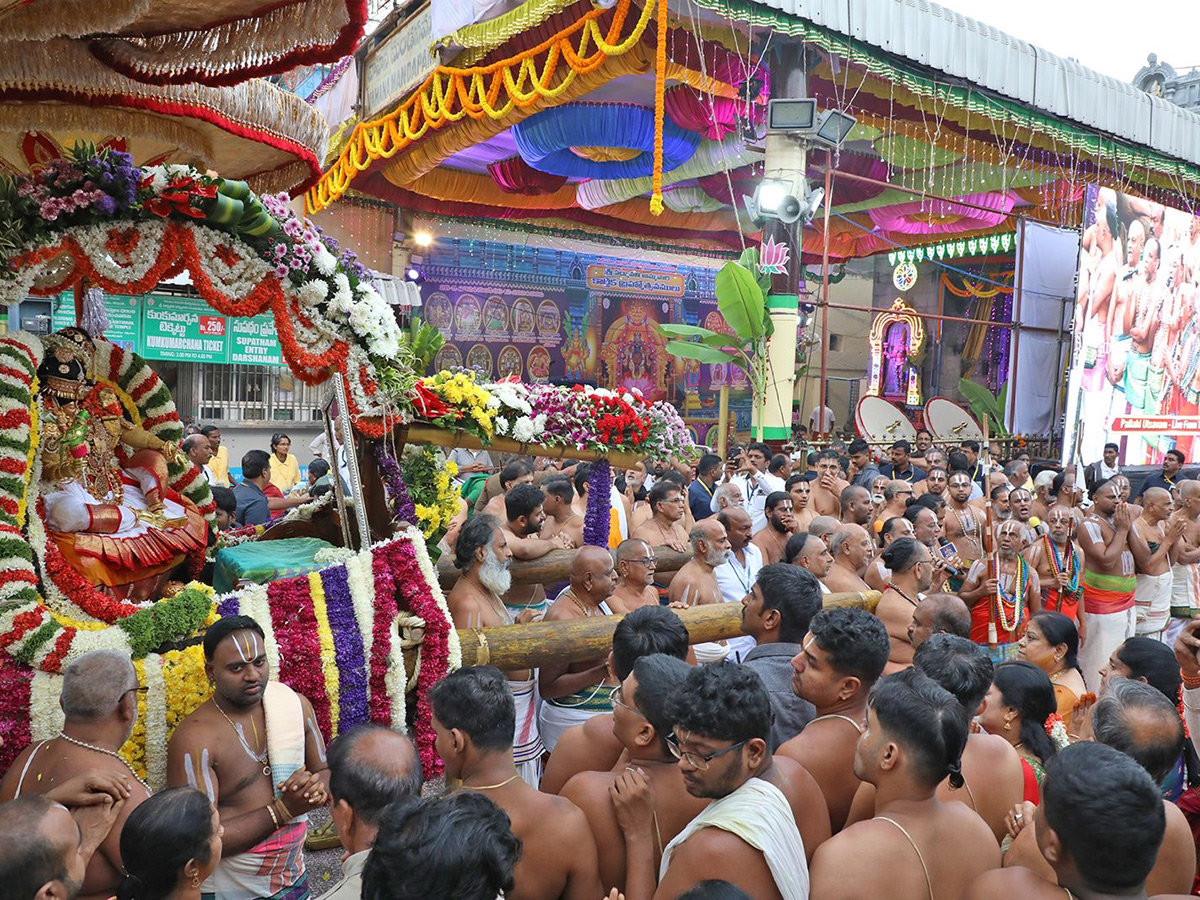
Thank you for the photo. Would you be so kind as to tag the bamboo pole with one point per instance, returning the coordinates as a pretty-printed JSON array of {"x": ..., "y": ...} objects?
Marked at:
[
  {"x": 553, "y": 567},
  {"x": 529, "y": 646},
  {"x": 722, "y": 445},
  {"x": 443, "y": 437}
]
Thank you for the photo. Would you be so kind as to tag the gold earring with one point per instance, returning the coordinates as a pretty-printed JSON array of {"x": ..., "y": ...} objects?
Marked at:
[
  {"x": 1008, "y": 724},
  {"x": 195, "y": 881}
]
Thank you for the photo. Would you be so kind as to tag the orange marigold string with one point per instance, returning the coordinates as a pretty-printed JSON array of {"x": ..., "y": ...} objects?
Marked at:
[{"x": 660, "y": 87}]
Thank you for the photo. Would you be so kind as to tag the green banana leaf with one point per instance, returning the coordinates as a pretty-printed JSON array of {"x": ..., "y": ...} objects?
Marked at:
[
  {"x": 741, "y": 302},
  {"x": 700, "y": 352},
  {"x": 985, "y": 404}
]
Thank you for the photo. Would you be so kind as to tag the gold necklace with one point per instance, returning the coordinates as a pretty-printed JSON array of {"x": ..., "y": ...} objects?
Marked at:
[
  {"x": 112, "y": 753},
  {"x": 263, "y": 757},
  {"x": 583, "y": 609},
  {"x": 492, "y": 787}
]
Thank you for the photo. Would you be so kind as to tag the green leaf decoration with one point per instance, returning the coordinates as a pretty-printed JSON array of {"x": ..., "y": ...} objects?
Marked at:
[
  {"x": 700, "y": 352},
  {"x": 985, "y": 405},
  {"x": 687, "y": 331},
  {"x": 741, "y": 301}
]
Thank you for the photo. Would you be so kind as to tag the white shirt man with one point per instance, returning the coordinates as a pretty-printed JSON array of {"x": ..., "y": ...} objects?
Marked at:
[
  {"x": 735, "y": 577},
  {"x": 825, "y": 425}
]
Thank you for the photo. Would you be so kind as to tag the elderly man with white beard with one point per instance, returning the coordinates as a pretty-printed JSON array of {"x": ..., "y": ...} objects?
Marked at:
[{"x": 483, "y": 557}]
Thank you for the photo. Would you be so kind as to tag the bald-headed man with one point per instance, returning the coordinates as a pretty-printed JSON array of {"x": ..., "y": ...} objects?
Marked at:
[
  {"x": 812, "y": 554},
  {"x": 635, "y": 577},
  {"x": 369, "y": 768},
  {"x": 696, "y": 584},
  {"x": 1160, "y": 532},
  {"x": 851, "y": 548},
  {"x": 824, "y": 527},
  {"x": 46, "y": 851},
  {"x": 99, "y": 701},
  {"x": 574, "y": 692},
  {"x": 939, "y": 614},
  {"x": 856, "y": 505}
]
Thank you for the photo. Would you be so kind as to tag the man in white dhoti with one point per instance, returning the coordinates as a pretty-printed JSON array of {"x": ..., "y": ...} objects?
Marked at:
[{"x": 747, "y": 835}]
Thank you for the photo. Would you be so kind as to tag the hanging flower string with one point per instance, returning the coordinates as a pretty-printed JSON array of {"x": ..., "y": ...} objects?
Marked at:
[
  {"x": 597, "y": 518},
  {"x": 403, "y": 509}
]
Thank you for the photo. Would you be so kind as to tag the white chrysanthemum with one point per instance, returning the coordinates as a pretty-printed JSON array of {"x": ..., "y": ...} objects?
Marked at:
[{"x": 325, "y": 261}]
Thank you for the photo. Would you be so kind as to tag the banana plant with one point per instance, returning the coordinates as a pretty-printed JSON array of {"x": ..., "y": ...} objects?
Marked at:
[
  {"x": 742, "y": 301},
  {"x": 424, "y": 341},
  {"x": 986, "y": 405}
]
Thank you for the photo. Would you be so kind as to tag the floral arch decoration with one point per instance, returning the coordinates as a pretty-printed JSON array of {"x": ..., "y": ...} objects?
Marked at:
[
  {"x": 95, "y": 218},
  {"x": 903, "y": 315}
]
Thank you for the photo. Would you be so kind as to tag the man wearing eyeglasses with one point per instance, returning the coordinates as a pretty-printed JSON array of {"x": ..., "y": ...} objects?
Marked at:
[
  {"x": 100, "y": 703},
  {"x": 635, "y": 571},
  {"x": 747, "y": 835}
]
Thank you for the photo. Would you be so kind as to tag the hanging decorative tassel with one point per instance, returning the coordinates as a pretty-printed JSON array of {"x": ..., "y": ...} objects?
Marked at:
[
  {"x": 95, "y": 316},
  {"x": 660, "y": 87}
]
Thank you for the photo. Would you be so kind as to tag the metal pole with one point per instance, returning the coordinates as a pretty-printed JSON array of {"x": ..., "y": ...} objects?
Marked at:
[
  {"x": 723, "y": 422},
  {"x": 1016, "y": 324},
  {"x": 937, "y": 317},
  {"x": 821, "y": 398}
]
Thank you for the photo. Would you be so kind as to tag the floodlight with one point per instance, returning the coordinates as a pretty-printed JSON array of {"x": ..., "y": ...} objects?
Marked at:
[
  {"x": 794, "y": 116},
  {"x": 834, "y": 126}
]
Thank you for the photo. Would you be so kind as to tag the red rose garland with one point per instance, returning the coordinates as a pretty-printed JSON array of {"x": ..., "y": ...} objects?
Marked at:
[
  {"x": 15, "y": 680},
  {"x": 381, "y": 635}
]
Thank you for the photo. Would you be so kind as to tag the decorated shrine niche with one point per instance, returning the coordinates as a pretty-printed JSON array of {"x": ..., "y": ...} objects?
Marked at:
[
  {"x": 634, "y": 353},
  {"x": 897, "y": 336}
]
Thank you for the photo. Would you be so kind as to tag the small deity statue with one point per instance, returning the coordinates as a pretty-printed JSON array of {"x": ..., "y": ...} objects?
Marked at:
[{"x": 119, "y": 525}]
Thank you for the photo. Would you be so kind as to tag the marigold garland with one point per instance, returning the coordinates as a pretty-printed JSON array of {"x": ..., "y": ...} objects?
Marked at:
[{"x": 660, "y": 87}]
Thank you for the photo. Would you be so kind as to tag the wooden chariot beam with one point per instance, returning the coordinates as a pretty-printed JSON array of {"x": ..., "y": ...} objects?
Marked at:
[
  {"x": 442, "y": 437},
  {"x": 529, "y": 646},
  {"x": 553, "y": 567}
]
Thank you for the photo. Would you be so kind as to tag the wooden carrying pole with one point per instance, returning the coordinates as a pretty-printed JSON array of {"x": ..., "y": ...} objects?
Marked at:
[
  {"x": 553, "y": 567},
  {"x": 528, "y": 646}
]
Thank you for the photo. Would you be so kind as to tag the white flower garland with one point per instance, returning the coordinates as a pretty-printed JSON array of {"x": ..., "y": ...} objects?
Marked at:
[
  {"x": 93, "y": 241},
  {"x": 45, "y": 712},
  {"x": 156, "y": 722},
  {"x": 360, "y": 579},
  {"x": 454, "y": 648}
]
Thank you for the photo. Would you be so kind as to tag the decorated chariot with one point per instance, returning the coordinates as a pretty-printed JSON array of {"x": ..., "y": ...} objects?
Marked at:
[{"x": 106, "y": 525}]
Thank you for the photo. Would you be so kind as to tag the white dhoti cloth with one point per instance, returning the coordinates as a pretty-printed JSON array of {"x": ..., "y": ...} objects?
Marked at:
[
  {"x": 1105, "y": 633},
  {"x": 1152, "y": 600},
  {"x": 527, "y": 740},
  {"x": 561, "y": 713},
  {"x": 1185, "y": 587},
  {"x": 759, "y": 814}
]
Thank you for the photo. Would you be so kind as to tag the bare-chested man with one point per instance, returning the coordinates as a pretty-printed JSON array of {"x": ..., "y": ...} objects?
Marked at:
[
  {"x": 1109, "y": 579},
  {"x": 771, "y": 539},
  {"x": 911, "y": 566},
  {"x": 1093, "y": 850},
  {"x": 748, "y": 834},
  {"x": 1159, "y": 532},
  {"x": 895, "y": 500},
  {"x": 524, "y": 517},
  {"x": 99, "y": 700},
  {"x": 696, "y": 584},
  {"x": 851, "y": 547},
  {"x": 1093, "y": 309},
  {"x": 1137, "y": 720},
  {"x": 519, "y": 471},
  {"x": 591, "y": 747},
  {"x": 573, "y": 692},
  {"x": 635, "y": 577},
  {"x": 1003, "y": 593},
  {"x": 810, "y": 552},
  {"x": 936, "y": 482},
  {"x": 1144, "y": 321},
  {"x": 482, "y": 557},
  {"x": 964, "y": 523},
  {"x": 857, "y": 508},
  {"x": 561, "y": 517},
  {"x": 641, "y": 724},
  {"x": 828, "y": 487},
  {"x": 1058, "y": 561},
  {"x": 1185, "y": 556},
  {"x": 992, "y": 771},
  {"x": 223, "y": 749},
  {"x": 665, "y": 527},
  {"x": 915, "y": 737},
  {"x": 473, "y": 719},
  {"x": 842, "y": 656},
  {"x": 800, "y": 490}
]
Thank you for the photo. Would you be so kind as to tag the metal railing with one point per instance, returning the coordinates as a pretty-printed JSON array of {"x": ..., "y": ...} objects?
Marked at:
[{"x": 245, "y": 393}]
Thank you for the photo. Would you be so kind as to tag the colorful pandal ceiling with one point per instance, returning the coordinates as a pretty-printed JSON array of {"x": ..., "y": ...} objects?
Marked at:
[
  {"x": 214, "y": 42},
  {"x": 588, "y": 116}
]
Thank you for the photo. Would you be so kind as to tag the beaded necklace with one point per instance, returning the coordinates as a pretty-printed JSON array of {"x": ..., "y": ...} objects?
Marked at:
[
  {"x": 1017, "y": 600},
  {"x": 1072, "y": 567}
]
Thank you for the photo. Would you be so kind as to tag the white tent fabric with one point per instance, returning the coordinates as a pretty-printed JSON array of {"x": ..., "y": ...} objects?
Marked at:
[
  {"x": 1047, "y": 266},
  {"x": 944, "y": 40}
]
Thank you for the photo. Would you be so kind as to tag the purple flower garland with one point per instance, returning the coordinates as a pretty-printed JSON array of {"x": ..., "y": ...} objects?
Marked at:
[
  {"x": 598, "y": 516},
  {"x": 403, "y": 509},
  {"x": 353, "y": 700}
]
